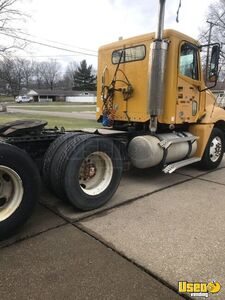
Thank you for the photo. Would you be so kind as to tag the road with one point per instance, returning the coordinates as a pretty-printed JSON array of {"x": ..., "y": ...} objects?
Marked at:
[
  {"x": 157, "y": 230},
  {"x": 89, "y": 115}
]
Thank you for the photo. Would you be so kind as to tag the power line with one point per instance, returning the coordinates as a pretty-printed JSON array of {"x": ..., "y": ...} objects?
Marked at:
[
  {"x": 46, "y": 45},
  {"x": 60, "y": 43},
  {"x": 48, "y": 56}
]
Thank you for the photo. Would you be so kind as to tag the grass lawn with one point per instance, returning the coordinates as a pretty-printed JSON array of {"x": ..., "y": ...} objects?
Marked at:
[
  {"x": 63, "y": 103},
  {"x": 7, "y": 99},
  {"x": 68, "y": 123}
]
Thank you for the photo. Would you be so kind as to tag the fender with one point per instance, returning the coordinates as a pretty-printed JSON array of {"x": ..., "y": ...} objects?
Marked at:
[{"x": 203, "y": 131}]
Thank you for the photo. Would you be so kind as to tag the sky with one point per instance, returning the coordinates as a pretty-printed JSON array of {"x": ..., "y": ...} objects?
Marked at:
[{"x": 88, "y": 24}]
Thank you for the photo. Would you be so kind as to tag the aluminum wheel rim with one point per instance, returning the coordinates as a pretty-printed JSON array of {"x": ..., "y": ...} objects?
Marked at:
[
  {"x": 95, "y": 173},
  {"x": 11, "y": 192},
  {"x": 215, "y": 149}
]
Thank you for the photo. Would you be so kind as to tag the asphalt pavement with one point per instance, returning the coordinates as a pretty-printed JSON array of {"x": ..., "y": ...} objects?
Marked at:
[
  {"x": 88, "y": 115},
  {"x": 156, "y": 231}
]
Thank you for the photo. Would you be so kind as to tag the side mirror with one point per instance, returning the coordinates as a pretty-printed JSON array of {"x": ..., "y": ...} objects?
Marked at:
[{"x": 214, "y": 63}]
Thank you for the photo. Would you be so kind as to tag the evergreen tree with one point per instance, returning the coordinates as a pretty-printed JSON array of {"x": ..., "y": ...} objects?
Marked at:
[{"x": 83, "y": 78}]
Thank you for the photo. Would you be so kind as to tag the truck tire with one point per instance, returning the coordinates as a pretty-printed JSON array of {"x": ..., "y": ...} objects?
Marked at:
[
  {"x": 50, "y": 154},
  {"x": 214, "y": 150},
  {"x": 19, "y": 188},
  {"x": 58, "y": 164},
  {"x": 93, "y": 172}
]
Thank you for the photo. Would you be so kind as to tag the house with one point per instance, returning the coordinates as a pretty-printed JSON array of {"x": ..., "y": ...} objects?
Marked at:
[
  {"x": 219, "y": 92},
  {"x": 46, "y": 95}
]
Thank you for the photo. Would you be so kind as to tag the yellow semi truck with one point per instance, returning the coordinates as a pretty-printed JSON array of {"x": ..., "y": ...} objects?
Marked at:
[
  {"x": 155, "y": 110},
  {"x": 167, "y": 106}
]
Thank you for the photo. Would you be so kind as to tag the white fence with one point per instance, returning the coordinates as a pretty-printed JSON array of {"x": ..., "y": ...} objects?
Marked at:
[
  {"x": 45, "y": 99},
  {"x": 82, "y": 99}
]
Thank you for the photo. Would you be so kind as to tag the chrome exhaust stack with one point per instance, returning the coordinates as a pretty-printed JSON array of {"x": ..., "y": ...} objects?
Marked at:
[{"x": 157, "y": 67}]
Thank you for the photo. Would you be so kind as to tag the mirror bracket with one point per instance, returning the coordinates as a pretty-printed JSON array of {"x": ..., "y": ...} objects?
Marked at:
[{"x": 215, "y": 56}]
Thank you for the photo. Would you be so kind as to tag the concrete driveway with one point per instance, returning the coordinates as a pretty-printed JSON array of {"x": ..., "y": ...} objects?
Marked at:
[{"x": 157, "y": 230}]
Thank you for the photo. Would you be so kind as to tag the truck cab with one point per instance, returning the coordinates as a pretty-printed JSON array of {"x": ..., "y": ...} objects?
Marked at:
[{"x": 187, "y": 105}]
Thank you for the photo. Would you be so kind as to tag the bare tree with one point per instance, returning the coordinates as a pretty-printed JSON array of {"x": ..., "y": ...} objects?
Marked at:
[
  {"x": 69, "y": 76},
  {"x": 11, "y": 75},
  {"x": 27, "y": 69},
  {"x": 50, "y": 71},
  {"x": 38, "y": 80},
  {"x": 17, "y": 74},
  {"x": 216, "y": 16},
  {"x": 8, "y": 16}
]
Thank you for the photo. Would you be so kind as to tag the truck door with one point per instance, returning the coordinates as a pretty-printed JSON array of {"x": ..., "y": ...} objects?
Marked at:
[{"x": 188, "y": 84}]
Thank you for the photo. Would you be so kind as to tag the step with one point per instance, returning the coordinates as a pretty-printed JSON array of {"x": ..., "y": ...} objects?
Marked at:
[{"x": 177, "y": 165}]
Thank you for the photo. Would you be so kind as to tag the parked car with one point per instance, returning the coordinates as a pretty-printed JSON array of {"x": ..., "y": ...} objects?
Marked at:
[{"x": 23, "y": 99}]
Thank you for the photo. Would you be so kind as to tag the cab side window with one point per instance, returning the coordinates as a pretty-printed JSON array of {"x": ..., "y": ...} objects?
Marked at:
[{"x": 188, "y": 64}]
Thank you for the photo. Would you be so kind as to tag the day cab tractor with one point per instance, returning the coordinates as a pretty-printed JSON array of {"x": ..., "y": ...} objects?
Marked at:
[{"x": 155, "y": 110}]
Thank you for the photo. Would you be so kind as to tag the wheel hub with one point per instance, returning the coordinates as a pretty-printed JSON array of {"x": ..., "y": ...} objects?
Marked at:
[
  {"x": 11, "y": 192},
  {"x": 215, "y": 149},
  {"x": 95, "y": 173},
  {"x": 2, "y": 201},
  {"x": 89, "y": 170}
]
